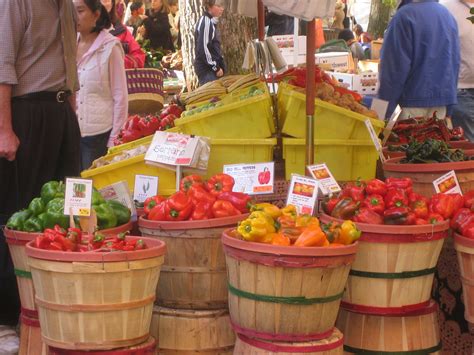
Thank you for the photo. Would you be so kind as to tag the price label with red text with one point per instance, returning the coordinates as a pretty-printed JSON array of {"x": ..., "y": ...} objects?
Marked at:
[{"x": 252, "y": 179}]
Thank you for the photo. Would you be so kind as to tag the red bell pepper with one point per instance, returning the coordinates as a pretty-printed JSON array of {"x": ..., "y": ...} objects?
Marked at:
[
  {"x": 375, "y": 203},
  {"x": 264, "y": 177},
  {"x": 131, "y": 135},
  {"x": 132, "y": 123},
  {"x": 396, "y": 215},
  {"x": 366, "y": 215},
  {"x": 202, "y": 210},
  {"x": 222, "y": 208},
  {"x": 148, "y": 125},
  {"x": 399, "y": 183},
  {"x": 345, "y": 208},
  {"x": 356, "y": 191},
  {"x": 151, "y": 202},
  {"x": 420, "y": 208},
  {"x": 469, "y": 231},
  {"x": 411, "y": 218},
  {"x": 461, "y": 218},
  {"x": 177, "y": 209},
  {"x": 413, "y": 197},
  {"x": 376, "y": 187},
  {"x": 329, "y": 204},
  {"x": 197, "y": 193},
  {"x": 421, "y": 221},
  {"x": 220, "y": 183},
  {"x": 469, "y": 199},
  {"x": 458, "y": 201},
  {"x": 396, "y": 197},
  {"x": 171, "y": 109},
  {"x": 157, "y": 213},
  {"x": 442, "y": 204},
  {"x": 189, "y": 181},
  {"x": 434, "y": 218},
  {"x": 240, "y": 200}
]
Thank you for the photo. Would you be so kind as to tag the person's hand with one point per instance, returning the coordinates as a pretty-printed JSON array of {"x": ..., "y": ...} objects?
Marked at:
[
  {"x": 141, "y": 31},
  {"x": 220, "y": 73},
  {"x": 9, "y": 144}
]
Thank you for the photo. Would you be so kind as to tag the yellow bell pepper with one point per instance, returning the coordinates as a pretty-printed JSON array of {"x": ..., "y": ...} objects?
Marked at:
[
  {"x": 306, "y": 220},
  {"x": 289, "y": 211},
  {"x": 268, "y": 208},
  {"x": 256, "y": 227},
  {"x": 348, "y": 233}
]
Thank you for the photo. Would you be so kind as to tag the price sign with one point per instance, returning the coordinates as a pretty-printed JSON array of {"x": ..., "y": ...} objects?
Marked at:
[
  {"x": 375, "y": 139},
  {"x": 303, "y": 194},
  {"x": 391, "y": 123},
  {"x": 447, "y": 184},
  {"x": 172, "y": 149},
  {"x": 78, "y": 197},
  {"x": 252, "y": 179},
  {"x": 145, "y": 186},
  {"x": 327, "y": 183}
]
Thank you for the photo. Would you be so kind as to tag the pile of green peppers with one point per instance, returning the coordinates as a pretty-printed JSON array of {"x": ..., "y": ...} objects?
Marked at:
[{"x": 47, "y": 211}]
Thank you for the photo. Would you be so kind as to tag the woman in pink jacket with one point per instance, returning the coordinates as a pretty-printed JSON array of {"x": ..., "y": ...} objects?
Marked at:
[{"x": 102, "y": 101}]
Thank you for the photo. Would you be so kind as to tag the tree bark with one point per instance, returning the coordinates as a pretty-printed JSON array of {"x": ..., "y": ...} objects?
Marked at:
[{"x": 379, "y": 17}]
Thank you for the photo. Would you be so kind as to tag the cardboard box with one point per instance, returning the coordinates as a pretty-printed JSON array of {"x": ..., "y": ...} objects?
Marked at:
[
  {"x": 334, "y": 60},
  {"x": 364, "y": 83},
  {"x": 376, "y": 47},
  {"x": 369, "y": 65}
]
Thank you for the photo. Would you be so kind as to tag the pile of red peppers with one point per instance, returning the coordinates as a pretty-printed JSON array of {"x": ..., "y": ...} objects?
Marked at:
[
  {"x": 138, "y": 126},
  {"x": 199, "y": 200},
  {"x": 73, "y": 240},
  {"x": 392, "y": 202},
  {"x": 462, "y": 220}
]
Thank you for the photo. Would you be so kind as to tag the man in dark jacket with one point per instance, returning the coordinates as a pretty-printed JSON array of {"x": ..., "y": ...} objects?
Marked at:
[{"x": 209, "y": 63}]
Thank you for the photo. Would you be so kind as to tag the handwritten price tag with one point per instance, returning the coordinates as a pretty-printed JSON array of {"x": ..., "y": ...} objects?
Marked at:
[{"x": 78, "y": 197}]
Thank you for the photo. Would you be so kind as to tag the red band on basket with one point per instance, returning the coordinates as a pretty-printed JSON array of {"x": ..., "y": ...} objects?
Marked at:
[
  {"x": 402, "y": 238},
  {"x": 277, "y": 348},
  {"x": 32, "y": 322},
  {"x": 288, "y": 261},
  {"x": 283, "y": 337},
  {"x": 418, "y": 309},
  {"x": 29, "y": 312}
]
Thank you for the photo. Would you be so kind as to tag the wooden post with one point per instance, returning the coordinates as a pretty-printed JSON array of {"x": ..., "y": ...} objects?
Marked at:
[
  {"x": 261, "y": 20},
  {"x": 310, "y": 71}
]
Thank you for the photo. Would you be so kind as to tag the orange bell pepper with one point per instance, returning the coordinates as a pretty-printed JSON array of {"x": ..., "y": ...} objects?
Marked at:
[
  {"x": 312, "y": 236},
  {"x": 280, "y": 239}
]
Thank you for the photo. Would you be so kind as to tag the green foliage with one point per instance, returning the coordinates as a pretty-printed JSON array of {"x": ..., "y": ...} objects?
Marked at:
[
  {"x": 472, "y": 17},
  {"x": 152, "y": 56},
  {"x": 390, "y": 3}
]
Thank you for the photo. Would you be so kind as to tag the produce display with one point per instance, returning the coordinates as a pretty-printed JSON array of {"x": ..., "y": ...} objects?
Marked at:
[
  {"x": 138, "y": 126},
  {"x": 420, "y": 128},
  {"x": 47, "y": 211},
  {"x": 432, "y": 151},
  {"x": 392, "y": 201},
  {"x": 173, "y": 61},
  {"x": 72, "y": 240},
  {"x": 462, "y": 220},
  {"x": 285, "y": 227},
  {"x": 199, "y": 200},
  {"x": 327, "y": 89}
]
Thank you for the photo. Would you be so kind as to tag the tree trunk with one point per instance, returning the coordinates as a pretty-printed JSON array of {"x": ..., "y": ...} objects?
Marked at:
[
  {"x": 379, "y": 17},
  {"x": 191, "y": 11},
  {"x": 236, "y": 31}
]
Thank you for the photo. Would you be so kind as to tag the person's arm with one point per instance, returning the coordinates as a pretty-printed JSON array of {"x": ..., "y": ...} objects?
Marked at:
[
  {"x": 135, "y": 58},
  {"x": 173, "y": 28},
  {"x": 206, "y": 33},
  {"x": 395, "y": 62},
  {"x": 118, "y": 87},
  {"x": 9, "y": 142}
]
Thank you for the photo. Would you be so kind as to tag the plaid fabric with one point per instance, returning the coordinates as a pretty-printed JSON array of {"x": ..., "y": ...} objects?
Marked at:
[{"x": 145, "y": 81}]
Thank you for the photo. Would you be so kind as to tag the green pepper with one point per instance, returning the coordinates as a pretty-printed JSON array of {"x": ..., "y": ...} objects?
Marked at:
[
  {"x": 36, "y": 206},
  {"x": 17, "y": 220},
  {"x": 106, "y": 217},
  {"x": 51, "y": 190},
  {"x": 33, "y": 225},
  {"x": 97, "y": 198},
  {"x": 55, "y": 213},
  {"x": 122, "y": 212}
]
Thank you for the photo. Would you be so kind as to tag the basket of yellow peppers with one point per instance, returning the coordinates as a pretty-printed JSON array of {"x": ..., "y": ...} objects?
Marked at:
[{"x": 286, "y": 227}]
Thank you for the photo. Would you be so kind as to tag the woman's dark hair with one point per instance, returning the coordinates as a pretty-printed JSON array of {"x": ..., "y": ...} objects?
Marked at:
[
  {"x": 103, "y": 22},
  {"x": 346, "y": 35},
  {"x": 136, "y": 6},
  {"x": 113, "y": 14},
  {"x": 358, "y": 29},
  {"x": 210, "y": 3}
]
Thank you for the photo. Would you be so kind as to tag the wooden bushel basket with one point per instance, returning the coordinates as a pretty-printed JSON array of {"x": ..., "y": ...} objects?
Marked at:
[
  {"x": 146, "y": 348},
  {"x": 95, "y": 300},
  {"x": 409, "y": 332},
  {"x": 394, "y": 266},
  {"x": 30, "y": 341},
  {"x": 285, "y": 293},
  {"x": 193, "y": 275},
  {"x": 188, "y": 332},
  {"x": 465, "y": 251},
  {"x": 333, "y": 345}
]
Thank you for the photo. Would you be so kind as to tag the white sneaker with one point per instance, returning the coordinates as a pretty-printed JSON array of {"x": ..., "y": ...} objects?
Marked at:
[{"x": 9, "y": 341}]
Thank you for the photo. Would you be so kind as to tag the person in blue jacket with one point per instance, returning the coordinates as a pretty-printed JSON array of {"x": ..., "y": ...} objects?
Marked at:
[
  {"x": 420, "y": 60},
  {"x": 209, "y": 62}
]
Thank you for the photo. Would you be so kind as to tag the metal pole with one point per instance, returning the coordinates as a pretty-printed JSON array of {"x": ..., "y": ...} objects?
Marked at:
[
  {"x": 310, "y": 71},
  {"x": 261, "y": 20}
]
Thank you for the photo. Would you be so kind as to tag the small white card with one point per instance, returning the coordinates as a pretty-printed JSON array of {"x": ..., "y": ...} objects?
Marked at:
[
  {"x": 375, "y": 139},
  {"x": 172, "y": 149},
  {"x": 303, "y": 194},
  {"x": 447, "y": 184},
  {"x": 379, "y": 106},
  {"x": 327, "y": 183},
  {"x": 78, "y": 197},
  {"x": 119, "y": 192},
  {"x": 252, "y": 179},
  {"x": 391, "y": 123},
  {"x": 145, "y": 186}
]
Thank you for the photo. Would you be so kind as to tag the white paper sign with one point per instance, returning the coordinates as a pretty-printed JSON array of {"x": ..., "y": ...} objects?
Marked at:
[
  {"x": 252, "y": 179},
  {"x": 303, "y": 193},
  {"x": 375, "y": 139},
  {"x": 379, "y": 106},
  {"x": 145, "y": 186},
  {"x": 119, "y": 192},
  {"x": 172, "y": 149},
  {"x": 447, "y": 184},
  {"x": 327, "y": 183},
  {"x": 391, "y": 123},
  {"x": 78, "y": 197}
]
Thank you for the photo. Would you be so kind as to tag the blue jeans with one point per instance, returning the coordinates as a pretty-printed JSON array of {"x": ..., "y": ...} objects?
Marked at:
[
  {"x": 463, "y": 112},
  {"x": 93, "y": 147},
  {"x": 206, "y": 77}
]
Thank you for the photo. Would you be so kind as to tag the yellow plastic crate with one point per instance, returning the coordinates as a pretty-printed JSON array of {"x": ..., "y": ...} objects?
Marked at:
[
  {"x": 239, "y": 151},
  {"x": 250, "y": 118},
  {"x": 347, "y": 159},
  {"x": 330, "y": 121},
  {"x": 126, "y": 170}
]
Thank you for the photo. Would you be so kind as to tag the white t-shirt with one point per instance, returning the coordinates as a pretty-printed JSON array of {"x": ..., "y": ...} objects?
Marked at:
[{"x": 460, "y": 10}]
